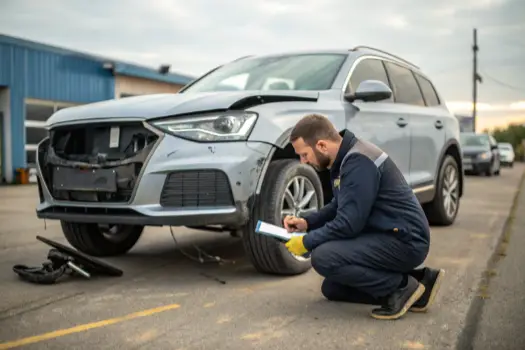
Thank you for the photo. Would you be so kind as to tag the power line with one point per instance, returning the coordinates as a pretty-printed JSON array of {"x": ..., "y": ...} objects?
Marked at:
[{"x": 501, "y": 83}]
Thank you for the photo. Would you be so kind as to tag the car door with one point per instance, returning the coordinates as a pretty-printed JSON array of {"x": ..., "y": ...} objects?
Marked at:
[
  {"x": 427, "y": 130},
  {"x": 381, "y": 123}
]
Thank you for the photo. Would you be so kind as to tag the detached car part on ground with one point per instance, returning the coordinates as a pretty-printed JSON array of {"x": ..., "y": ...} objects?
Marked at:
[{"x": 217, "y": 156}]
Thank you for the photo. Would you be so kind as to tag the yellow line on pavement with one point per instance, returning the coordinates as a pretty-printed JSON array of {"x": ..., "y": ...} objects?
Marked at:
[{"x": 85, "y": 327}]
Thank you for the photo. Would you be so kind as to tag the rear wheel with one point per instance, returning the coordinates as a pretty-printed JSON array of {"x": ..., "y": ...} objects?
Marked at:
[
  {"x": 445, "y": 205},
  {"x": 101, "y": 240},
  {"x": 289, "y": 188}
]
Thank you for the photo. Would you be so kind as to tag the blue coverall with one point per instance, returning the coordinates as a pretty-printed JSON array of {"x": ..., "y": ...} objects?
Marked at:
[{"x": 374, "y": 230}]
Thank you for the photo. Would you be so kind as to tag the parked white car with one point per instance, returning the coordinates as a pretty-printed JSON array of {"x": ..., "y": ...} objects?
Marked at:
[{"x": 506, "y": 154}]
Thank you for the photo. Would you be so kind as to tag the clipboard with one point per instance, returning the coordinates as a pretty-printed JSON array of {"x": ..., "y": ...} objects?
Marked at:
[{"x": 274, "y": 231}]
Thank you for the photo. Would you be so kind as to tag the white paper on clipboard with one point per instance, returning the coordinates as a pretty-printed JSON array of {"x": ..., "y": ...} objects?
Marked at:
[{"x": 280, "y": 233}]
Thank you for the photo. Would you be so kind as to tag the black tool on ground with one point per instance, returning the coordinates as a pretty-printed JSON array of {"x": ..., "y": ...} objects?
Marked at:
[{"x": 64, "y": 261}]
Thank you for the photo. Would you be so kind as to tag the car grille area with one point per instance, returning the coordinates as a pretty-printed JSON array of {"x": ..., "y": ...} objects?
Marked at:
[
  {"x": 95, "y": 162},
  {"x": 196, "y": 189}
]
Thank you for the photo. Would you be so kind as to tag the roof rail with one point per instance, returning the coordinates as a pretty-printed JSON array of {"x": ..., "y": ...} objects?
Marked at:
[
  {"x": 241, "y": 58},
  {"x": 382, "y": 51}
]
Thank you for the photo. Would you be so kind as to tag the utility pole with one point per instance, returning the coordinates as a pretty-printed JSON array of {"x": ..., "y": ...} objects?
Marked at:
[{"x": 475, "y": 78}]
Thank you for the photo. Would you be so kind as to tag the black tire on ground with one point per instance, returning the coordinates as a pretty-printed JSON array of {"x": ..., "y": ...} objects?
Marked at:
[
  {"x": 435, "y": 210},
  {"x": 90, "y": 238},
  {"x": 267, "y": 254}
]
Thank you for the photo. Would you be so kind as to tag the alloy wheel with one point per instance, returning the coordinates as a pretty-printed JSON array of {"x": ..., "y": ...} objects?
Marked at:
[
  {"x": 450, "y": 191},
  {"x": 299, "y": 199},
  {"x": 113, "y": 233}
]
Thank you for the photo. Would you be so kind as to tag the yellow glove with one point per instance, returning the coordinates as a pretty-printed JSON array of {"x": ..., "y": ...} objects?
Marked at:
[{"x": 295, "y": 246}]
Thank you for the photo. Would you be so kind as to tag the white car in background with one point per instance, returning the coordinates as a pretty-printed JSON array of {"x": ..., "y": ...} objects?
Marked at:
[{"x": 506, "y": 154}]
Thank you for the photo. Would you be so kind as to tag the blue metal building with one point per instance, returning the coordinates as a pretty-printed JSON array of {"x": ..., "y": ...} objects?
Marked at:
[{"x": 38, "y": 79}]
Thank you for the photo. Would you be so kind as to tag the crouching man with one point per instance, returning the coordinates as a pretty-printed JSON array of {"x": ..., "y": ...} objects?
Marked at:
[{"x": 369, "y": 240}]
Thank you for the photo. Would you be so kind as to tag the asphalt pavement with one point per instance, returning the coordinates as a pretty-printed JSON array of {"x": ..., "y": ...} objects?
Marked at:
[
  {"x": 165, "y": 300},
  {"x": 501, "y": 318}
]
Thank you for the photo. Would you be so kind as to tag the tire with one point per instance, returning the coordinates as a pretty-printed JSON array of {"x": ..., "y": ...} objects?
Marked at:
[
  {"x": 435, "y": 210},
  {"x": 490, "y": 171},
  {"x": 92, "y": 240},
  {"x": 267, "y": 254}
]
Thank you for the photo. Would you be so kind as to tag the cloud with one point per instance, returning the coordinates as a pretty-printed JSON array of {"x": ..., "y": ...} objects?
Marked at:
[
  {"x": 396, "y": 21},
  {"x": 520, "y": 105},
  {"x": 195, "y": 36}
]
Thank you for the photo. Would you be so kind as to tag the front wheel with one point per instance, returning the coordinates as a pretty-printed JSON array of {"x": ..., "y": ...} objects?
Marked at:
[
  {"x": 289, "y": 188},
  {"x": 444, "y": 207},
  {"x": 101, "y": 240}
]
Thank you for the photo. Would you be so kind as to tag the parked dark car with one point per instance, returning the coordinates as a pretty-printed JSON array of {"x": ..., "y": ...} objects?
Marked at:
[{"x": 480, "y": 154}]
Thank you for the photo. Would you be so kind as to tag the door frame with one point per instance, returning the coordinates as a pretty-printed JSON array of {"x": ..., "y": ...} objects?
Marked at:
[{"x": 6, "y": 158}]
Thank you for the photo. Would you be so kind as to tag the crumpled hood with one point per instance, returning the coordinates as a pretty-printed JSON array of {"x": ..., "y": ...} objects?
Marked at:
[{"x": 161, "y": 105}]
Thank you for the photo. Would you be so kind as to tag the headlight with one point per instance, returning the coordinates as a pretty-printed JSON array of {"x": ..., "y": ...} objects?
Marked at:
[
  {"x": 217, "y": 127},
  {"x": 485, "y": 155}
]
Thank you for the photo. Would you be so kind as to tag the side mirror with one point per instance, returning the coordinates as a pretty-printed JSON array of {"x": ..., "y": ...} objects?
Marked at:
[{"x": 370, "y": 91}]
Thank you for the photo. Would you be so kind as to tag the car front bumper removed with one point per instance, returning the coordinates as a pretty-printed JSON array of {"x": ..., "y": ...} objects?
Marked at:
[{"x": 182, "y": 183}]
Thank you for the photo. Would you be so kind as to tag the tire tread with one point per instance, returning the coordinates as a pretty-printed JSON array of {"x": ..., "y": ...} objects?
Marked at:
[{"x": 267, "y": 254}]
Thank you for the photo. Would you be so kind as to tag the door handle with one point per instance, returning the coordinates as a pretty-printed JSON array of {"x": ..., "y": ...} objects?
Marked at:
[
  {"x": 438, "y": 124},
  {"x": 401, "y": 122}
]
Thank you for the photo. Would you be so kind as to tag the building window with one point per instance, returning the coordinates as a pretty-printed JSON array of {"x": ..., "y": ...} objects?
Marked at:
[
  {"x": 123, "y": 95},
  {"x": 37, "y": 114}
]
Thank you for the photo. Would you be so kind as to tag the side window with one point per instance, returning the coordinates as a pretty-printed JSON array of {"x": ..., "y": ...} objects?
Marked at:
[
  {"x": 367, "y": 69},
  {"x": 428, "y": 90},
  {"x": 405, "y": 85}
]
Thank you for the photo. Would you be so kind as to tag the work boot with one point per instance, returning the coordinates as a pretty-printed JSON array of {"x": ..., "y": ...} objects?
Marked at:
[
  {"x": 431, "y": 279},
  {"x": 400, "y": 301}
]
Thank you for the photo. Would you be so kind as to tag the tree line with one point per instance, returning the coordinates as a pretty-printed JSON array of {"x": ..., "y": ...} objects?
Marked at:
[{"x": 513, "y": 134}]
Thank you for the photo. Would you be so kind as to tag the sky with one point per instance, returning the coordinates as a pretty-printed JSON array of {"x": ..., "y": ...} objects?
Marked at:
[{"x": 195, "y": 36}]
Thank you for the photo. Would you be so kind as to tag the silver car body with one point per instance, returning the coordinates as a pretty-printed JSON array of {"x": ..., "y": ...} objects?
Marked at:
[
  {"x": 416, "y": 137},
  {"x": 507, "y": 153}
]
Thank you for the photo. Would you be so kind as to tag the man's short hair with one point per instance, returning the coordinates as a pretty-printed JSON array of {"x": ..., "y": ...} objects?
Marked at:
[{"x": 314, "y": 127}]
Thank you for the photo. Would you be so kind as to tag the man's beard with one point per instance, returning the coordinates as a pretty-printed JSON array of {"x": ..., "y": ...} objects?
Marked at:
[{"x": 322, "y": 160}]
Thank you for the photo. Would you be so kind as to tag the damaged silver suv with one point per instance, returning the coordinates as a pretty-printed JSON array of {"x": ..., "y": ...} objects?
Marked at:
[{"x": 217, "y": 156}]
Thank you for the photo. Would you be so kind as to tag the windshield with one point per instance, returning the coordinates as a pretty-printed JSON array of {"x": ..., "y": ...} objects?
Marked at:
[
  {"x": 505, "y": 146},
  {"x": 291, "y": 72},
  {"x": 474, "y": 140}
]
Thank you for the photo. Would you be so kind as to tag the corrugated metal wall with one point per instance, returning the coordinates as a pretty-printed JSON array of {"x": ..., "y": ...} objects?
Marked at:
[{"x": 37, "y": 74}]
